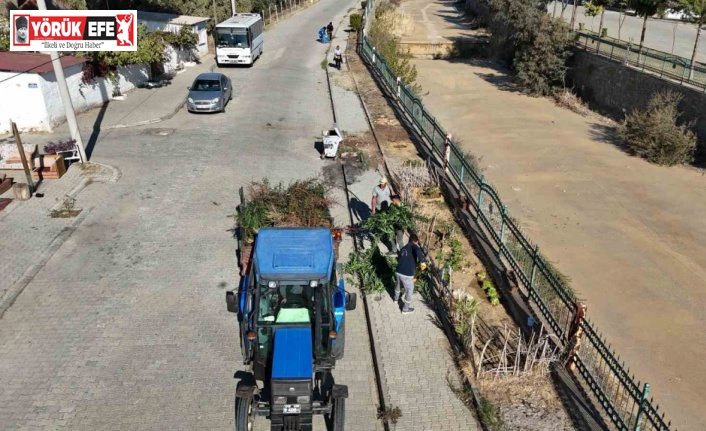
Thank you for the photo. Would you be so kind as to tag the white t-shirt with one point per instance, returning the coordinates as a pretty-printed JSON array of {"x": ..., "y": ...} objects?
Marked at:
[
  {"x": 337, "y": 52},
  {"x": 381, "y": 195}
]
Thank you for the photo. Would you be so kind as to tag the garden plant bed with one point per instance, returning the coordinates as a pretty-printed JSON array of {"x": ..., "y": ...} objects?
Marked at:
[{"x": 528, "y": 402}]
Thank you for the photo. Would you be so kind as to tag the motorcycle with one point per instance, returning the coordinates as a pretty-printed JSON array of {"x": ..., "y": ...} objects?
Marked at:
[{"x": 337, "y": 58}]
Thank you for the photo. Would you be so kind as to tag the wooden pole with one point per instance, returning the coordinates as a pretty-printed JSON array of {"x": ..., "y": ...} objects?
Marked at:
[{"x": 25, "y": 165}]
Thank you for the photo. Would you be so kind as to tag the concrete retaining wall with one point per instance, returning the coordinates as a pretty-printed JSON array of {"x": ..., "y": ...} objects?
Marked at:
[{"x": 614, "y": 89}]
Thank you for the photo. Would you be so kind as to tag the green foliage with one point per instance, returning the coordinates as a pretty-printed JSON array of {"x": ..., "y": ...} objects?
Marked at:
[
  {"x": 695, "y": 8},
  {"x": 534, "y": 44},
  {"x": 186, "y": 39},
  {"x": 356, "y": 21},
  {"x": 490, "y": 415},
  {"x": 592, "y": 9},
  {"x": 454, "y": 256},
  {"x": 4, "y": 40},
  {"x": 150, "y": 49},
  {"x": 301, "y": 204},
  {"x": 375, "y": 270},
  {"x": 491, "y": 291},
  {"x": 648, "y": 8},
  {"x": 655, "y": 135},
  {"x": 464, "y": 311},
  {"x": 387, "y": 45},
  {"x": 385, "y": 222}
]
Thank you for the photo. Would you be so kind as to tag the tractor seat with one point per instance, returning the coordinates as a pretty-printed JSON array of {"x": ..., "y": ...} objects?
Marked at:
[{"x": 293, "y": 315}]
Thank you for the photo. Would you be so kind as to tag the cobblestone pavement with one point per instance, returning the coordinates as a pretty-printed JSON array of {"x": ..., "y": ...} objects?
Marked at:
[
  {"x": 125, "y": 326},
  {"x": 29, "y": 234},
  {"x": 417, "y": 367}
]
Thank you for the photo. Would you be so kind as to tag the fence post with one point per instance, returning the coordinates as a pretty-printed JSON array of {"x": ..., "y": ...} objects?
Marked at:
[
  {"x": 398, "y": 87},
  {"x": 575, "y": 333},
  {"x": 373, "y": 56},
  {"x": 503, "y": 216},
  {"x": 641, "y": 409},
  {"x": 276, "y": 13},
  {"x": 447, "y": 153},
  {"x": 627, "y": 56},
  {"x": 534, "y": 266},
  {"x": 462, "y": 171},
  {"x": 480, "y": 193}
]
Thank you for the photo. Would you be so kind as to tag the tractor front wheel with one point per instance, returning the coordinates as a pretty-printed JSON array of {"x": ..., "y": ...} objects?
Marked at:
[
  {"x": 243, "y": 414},
  {"x": 339, "y": 413}
]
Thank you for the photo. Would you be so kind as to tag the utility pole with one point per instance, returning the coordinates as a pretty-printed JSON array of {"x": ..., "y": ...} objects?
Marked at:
[
  {"x": 65, "y": 96},
  {"x": 23, "y": 157}
]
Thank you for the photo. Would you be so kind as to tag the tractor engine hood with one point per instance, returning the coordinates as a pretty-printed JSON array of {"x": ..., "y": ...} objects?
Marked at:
[{"x": 292, "y": 371}]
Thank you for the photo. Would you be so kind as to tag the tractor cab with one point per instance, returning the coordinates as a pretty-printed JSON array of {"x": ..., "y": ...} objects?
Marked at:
[{"x": 291, "y": 308}]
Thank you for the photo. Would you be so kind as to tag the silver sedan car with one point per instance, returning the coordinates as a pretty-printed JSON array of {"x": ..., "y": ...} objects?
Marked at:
[{"x": 209, "y": 93}]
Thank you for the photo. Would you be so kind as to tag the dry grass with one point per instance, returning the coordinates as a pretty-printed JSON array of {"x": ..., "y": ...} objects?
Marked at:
[{"x": 568, "y": 100}]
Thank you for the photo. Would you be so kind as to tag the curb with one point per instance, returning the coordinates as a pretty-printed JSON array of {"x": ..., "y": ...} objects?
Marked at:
[{"x": 155, "y": 120}]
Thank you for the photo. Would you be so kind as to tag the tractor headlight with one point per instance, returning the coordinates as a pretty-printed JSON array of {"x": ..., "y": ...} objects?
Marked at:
[
  {"x": 280, "y": 400},
  {"x": 313, "y": 283},
  {"x": 272, "y": 284},
  {"x": 303, "y": 399}
]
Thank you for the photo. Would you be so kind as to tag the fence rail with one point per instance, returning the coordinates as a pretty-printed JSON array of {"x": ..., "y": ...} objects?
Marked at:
[
  {"x": 661, "y": 63},
  {"x": 600, "y": 369},
  {"x": 281, "y": 9}
]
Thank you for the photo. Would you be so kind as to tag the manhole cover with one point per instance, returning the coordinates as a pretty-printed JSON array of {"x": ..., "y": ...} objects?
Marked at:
[{"x": 159, "y": 132}]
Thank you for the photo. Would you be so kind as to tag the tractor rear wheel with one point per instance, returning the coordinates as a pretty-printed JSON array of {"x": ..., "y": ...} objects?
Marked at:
[
  {"x": 243, "y": 414},
  {"x": 339, "y": 413}
]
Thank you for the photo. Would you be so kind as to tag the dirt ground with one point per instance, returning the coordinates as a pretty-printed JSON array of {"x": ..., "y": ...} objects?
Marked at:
[
  {"x": 528, "y": 405},
  {"x": 631, "y": 235}
]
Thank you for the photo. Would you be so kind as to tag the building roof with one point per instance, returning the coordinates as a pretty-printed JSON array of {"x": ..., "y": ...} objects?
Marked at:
[
  {"x": 294, "y": 253},
  {"x": 33, "y": 63},
  {"x": 170, "y": 18}
]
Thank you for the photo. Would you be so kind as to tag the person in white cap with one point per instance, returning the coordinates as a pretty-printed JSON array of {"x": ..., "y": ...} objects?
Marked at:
[{"x": 381, "y": 196}]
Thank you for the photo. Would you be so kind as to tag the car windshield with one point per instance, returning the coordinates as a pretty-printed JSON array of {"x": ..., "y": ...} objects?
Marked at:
[
  {"x": 226, "y": 39},
  {"x": 206, "y": 85},
  {"x": 289, "y": 301}
]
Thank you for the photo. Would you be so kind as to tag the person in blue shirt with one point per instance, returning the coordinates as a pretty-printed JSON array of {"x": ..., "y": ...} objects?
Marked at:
[{"x": 411, "y": 255}]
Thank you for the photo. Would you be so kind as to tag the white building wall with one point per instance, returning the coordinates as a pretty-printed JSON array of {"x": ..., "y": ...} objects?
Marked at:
[
  {"x": 22, "y": 101},
  {"x": 86, "y": 96}
]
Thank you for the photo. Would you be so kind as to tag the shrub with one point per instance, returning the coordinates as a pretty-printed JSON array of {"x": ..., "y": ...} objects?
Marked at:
[
  {"x": 529, "y": 41},
  {"x": 655, "y": 135},
  {"x": 387, "y": 45},
  {"x": 356, "y": 21}
]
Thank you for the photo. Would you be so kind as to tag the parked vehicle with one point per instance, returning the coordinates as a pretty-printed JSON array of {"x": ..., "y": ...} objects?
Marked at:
[
  {"x": 291, "y": 307},
  {"x": 210, "y": 92},
  {"x": 239, "y": 39}
]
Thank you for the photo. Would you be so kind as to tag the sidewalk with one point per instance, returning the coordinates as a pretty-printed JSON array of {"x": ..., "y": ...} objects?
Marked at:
[{"x": 412, "y": 352}]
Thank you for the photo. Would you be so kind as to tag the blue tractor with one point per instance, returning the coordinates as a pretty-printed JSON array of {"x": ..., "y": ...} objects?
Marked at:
[{"x": 291, "y": 307}]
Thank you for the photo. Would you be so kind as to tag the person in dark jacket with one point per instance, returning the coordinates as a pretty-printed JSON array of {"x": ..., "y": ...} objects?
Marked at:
[
  {"x": 329, "y": 30},
  {"x": 411, "y": 255}
]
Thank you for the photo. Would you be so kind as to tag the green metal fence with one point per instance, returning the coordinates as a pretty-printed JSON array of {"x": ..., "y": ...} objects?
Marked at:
[
  {"x": 660, "y": 63},
  {"x": 600, "y": 369}
]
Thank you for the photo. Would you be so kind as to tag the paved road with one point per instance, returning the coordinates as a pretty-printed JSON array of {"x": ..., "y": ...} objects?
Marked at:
[
  {"x": 660, "y": 33},
  {"x": 125, "y": 327}
]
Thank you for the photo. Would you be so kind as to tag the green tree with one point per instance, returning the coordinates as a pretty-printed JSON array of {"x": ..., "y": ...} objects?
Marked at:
[
  {"x": 646, "y": 9},
  {"x": 696, "y": 10},
  {"x": 593, "y": 9}
]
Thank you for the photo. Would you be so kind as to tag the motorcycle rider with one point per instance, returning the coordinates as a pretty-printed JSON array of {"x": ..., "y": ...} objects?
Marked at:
[{"x": 338, "y": 57}]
